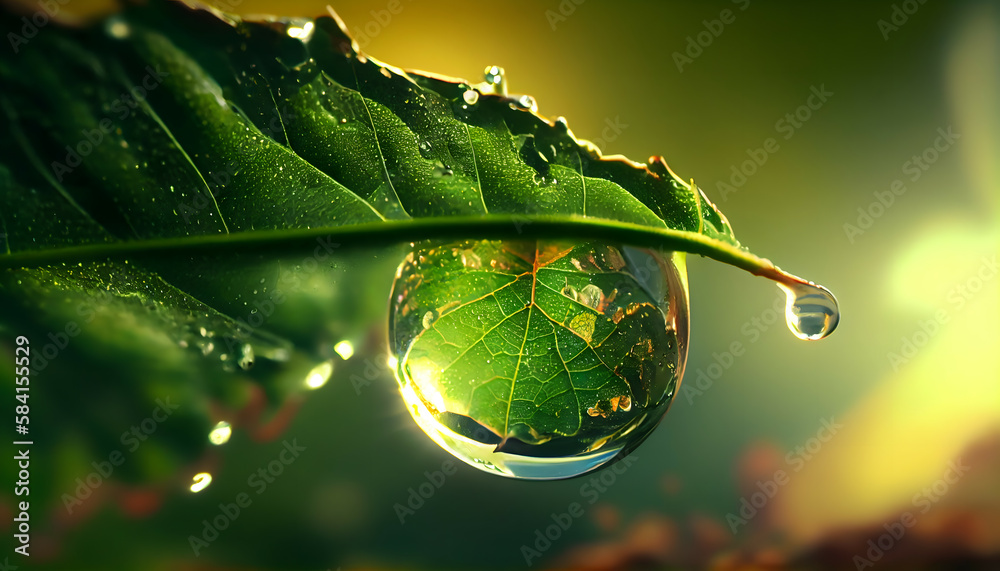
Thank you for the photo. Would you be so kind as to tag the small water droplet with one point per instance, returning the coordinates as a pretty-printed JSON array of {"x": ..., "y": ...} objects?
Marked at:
[
  {"x": 319, "y": 375},
  {"x": 246, "y": 356},
  {"x": 118, "y": 29},
  {"x": 302, "y": 32},
  {"x": 494, "y": 76},
  {"x": 590, "y": 295},
  {"x": 428, "y": 320},
  {"x": 471, "y": 96},
  {"x": 345, "y": 349},
  {"x": 811, "y": 311},
  {"x": 200, "y": 481},
  {"x": 220, "y": 433},
  {"x": 441, "y": 170}
]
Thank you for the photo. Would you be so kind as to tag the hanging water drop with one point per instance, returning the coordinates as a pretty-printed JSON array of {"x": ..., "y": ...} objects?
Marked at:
[
  {"x": 811, "y": 311},
  {"x": 530, "y": 366},
  {"x": 471, "y": 96}
]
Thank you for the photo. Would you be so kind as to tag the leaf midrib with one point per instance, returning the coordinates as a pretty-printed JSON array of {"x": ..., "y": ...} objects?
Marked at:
[{"x": 491, "y": 226}]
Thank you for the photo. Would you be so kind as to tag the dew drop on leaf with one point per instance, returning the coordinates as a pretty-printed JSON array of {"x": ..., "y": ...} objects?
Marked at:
[
  {"x": 517, "y": 378},
  {"x": 494, "y": 78},
  {"x": 246, "y": 357},
  {"x": 811, "y": 311}
]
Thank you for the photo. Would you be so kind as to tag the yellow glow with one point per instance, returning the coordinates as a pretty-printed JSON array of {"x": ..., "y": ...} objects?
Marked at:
[
  {"x": 939, "y": 400},
  {"x": 319, "y": 375},
  {"x": 936, "y": 263},
  {"x": 119, "y": 30},
  {"x": 221, "y": 433},
  {"x": 201, "y": 481},
  {"x": 423, "y": 374},
  {"x": 345, "y": 349}
]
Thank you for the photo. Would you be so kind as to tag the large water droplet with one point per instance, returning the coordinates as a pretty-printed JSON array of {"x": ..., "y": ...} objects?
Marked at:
[
  {"x": 811, "y": 311},
  {"x": 509, "y": 373}
]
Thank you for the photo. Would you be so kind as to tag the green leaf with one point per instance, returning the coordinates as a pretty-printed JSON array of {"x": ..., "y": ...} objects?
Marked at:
[
  {"x": 207, "y": 141},
  {"x": 170, "y": 176}
]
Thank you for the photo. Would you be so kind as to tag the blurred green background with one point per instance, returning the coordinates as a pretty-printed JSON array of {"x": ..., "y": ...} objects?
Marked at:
[{"x": 611, "y": 69}]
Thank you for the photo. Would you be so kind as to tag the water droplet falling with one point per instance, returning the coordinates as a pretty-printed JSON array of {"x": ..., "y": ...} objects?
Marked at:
[{"x": 811, "y": 311}]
